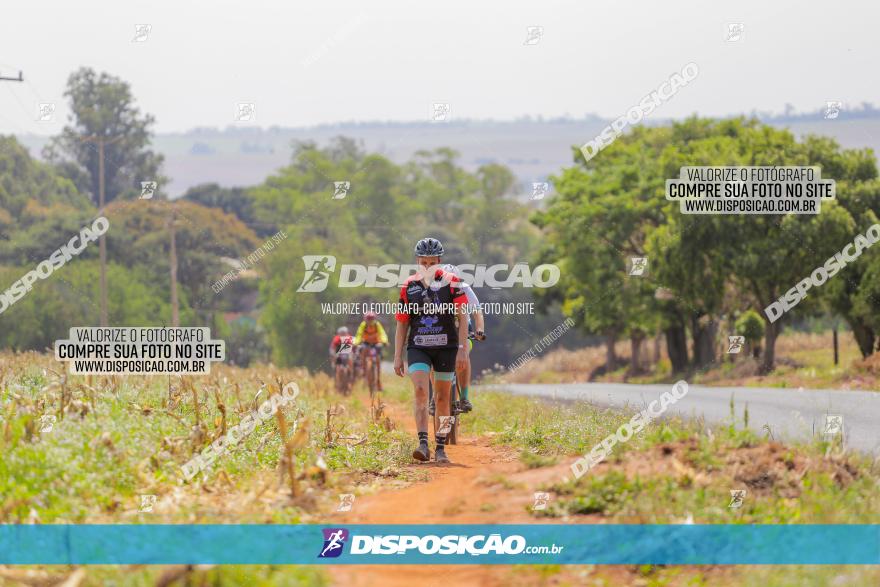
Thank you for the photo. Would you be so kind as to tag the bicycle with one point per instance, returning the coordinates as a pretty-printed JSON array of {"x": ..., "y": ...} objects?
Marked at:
[
  {"x": 454, "y": 404},
  {"x": 371, "y": 368},
  {"x": 344, "y": 375}
]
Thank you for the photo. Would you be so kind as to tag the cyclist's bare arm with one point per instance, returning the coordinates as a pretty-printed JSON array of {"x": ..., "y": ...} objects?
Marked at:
[
  {"x": 474, "y": 303},
  {"x": 462, "y": 358},
  {"x": 479, "y": 322},
  {"x": 399, "y": 344}
]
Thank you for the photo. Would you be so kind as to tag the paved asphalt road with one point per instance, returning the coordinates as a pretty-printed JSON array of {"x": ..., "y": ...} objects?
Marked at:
[{"x": 790, "y": 413}]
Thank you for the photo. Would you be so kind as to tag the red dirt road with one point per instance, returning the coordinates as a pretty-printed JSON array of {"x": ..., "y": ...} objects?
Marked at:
[{"x": 484, "y": 484}]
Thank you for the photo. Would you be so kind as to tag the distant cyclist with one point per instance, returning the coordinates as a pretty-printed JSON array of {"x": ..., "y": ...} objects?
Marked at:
[
  {"x": 427, "y": 327},
  {"x": 342, "y": 345},
  {"x": 371, "y": 334}
]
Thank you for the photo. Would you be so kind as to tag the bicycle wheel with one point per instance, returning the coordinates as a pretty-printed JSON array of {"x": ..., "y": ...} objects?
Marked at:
[
  {"x": 452, "y": 437},
  {"x": 348, "y": 378},
  {"x": 339, "y": 380},
  {"x": 370, "y": 374}
]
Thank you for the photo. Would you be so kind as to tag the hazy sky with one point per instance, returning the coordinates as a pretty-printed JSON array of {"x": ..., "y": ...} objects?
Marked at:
[{"x": 309, "y": 63}]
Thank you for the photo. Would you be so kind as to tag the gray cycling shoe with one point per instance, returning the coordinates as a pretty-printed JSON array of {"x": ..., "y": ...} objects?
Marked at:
[
  {"x": 440, "y": 455},
  {"x": 423, "y": 453}
]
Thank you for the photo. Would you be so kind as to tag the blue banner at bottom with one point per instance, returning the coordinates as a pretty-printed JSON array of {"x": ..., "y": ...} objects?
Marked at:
[{"x": 609, "y": 544}]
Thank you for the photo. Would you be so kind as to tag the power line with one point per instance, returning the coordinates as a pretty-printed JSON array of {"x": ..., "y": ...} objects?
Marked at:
[{"x": 20, "y": 78}]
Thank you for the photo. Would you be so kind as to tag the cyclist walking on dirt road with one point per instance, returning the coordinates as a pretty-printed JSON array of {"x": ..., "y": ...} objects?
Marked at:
[{"x": 429, "y": 302}]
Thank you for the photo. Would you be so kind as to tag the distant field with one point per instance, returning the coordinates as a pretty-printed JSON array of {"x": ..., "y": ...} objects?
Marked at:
[{"x": 532, "y": 149}]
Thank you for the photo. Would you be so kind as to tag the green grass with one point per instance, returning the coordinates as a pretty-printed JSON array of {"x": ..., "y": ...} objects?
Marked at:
[
  {"x": 543, "y": 430},
  {"x": 95, "y": 466}
]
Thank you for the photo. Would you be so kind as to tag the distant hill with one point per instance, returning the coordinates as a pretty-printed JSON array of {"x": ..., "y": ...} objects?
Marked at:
[{"x": 532, "y": 148}]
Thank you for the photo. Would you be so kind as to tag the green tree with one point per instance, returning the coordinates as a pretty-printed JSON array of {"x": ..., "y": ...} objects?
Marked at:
[
  {"x": 614, "y": 206},
  {"x": 69, "y": 299},
  {"x": 103, "y": 111},
  {"x": 139, "y": 237},
  {"x": 235, "y": 201}
]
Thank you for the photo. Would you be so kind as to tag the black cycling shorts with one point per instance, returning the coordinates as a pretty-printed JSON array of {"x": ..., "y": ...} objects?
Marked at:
[{"x": 442, "y": 360}]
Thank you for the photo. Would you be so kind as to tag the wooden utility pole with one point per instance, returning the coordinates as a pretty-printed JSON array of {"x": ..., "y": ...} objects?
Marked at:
[
  {"x": 101, "y": 141},
  {"x": 102, "y": 243},
  {"x": 836, "y": 351},
  {"x": 175, "y": 310}
]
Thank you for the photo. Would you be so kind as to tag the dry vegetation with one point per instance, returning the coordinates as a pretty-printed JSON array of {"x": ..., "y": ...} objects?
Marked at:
[{"x": 803, "y": 360}]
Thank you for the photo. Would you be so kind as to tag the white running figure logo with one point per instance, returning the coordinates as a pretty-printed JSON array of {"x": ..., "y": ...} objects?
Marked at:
[
  {"x": 446, "y": 423},
  {"x": 335, "y": 542}
]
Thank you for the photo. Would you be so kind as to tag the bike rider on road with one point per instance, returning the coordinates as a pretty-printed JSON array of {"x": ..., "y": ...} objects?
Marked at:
[
  {"x": 430, "y": 301},
  {"x": 371, "y": 333}
]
